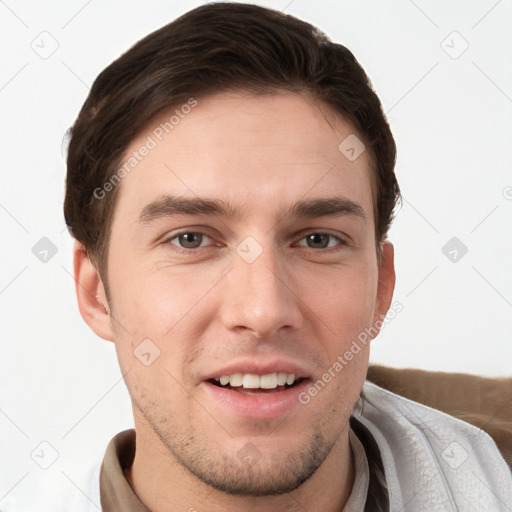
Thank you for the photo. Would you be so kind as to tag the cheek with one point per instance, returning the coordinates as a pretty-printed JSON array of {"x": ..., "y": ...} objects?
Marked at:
[
  {"x": 343, "y": 306},
  {"x": 157, "y": 300},
  {"x": 165, "y": 308},
  {"x": 169, "y": 306},
  {"x": 342, "y": 298}
]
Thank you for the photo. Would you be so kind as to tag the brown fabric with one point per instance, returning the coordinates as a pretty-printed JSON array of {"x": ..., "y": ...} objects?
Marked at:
[
  {"x": 116, "y": 494},
  {"x": 483, "y": 402}
]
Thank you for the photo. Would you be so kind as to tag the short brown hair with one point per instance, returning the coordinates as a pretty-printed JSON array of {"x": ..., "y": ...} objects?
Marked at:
[{"x": 215, "y": 48}]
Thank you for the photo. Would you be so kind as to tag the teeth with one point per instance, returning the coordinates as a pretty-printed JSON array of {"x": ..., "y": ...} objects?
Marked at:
[
  {"x": 236, "y": 380},
  {"x": 268, "y": 381},
  {"x": 281, "y": 379},
  {"x": 253, "y": 381}
]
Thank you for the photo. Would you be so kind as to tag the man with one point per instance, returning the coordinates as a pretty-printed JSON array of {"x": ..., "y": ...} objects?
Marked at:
[{"x": 230, "y": 186}]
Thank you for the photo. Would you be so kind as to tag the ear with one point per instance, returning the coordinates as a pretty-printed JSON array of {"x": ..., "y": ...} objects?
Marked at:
[
  {"x": 90, "y": 293},
  {"x": 386, "y": 284}
]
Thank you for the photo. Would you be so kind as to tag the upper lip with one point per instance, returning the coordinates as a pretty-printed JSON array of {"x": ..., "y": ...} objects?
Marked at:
[{"x": 261, "y": 367}]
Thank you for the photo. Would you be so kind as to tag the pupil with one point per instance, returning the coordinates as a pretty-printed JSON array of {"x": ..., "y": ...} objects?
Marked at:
[
  {"x": 190, "y": 240},
  {"x": 316, "y": 238}
]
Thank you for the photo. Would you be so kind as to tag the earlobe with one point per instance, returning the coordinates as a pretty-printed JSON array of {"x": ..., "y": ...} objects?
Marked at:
[
  {"x": 90, "y": 294},
  {"x": 386, "y": 284}
]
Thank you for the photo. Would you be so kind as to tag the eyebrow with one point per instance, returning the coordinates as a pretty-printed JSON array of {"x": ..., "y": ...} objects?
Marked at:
[
  {"x": 169, "y": 205},
  {"x": 334, "y": 206}
]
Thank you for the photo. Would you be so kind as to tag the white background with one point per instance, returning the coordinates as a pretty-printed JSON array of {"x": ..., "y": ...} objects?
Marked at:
[{"x": 452, "y": 121}]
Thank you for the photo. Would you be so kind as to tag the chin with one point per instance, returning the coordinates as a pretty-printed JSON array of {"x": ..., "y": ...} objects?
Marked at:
[{"x": 254, "y": 468}]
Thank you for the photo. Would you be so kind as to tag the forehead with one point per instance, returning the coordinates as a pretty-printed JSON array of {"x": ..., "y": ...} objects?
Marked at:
[{"x": 255, "y": 152}]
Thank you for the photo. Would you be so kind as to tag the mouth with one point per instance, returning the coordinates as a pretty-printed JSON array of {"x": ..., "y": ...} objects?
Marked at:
[
  {"x": 256, "y": 396},
  {"x": 253, "y": 384}
]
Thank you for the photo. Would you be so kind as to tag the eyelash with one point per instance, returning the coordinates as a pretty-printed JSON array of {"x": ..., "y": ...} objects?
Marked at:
[{"x": 342, "y": 242}]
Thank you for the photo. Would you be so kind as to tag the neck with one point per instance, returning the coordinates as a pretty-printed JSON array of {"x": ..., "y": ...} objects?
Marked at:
[{"x": 163, "y": 484}]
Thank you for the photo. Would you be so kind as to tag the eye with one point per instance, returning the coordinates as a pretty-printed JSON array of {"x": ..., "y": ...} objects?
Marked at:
[
  {"x": 189, "y": 240},
  {"x": 321, "y": 241}
]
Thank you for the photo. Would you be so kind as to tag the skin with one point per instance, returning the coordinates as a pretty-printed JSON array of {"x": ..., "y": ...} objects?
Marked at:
[{"x": 206, "y": 306}]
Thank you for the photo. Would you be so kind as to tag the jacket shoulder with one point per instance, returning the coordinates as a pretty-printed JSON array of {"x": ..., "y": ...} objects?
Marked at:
[{"x": 431, "y": 459}]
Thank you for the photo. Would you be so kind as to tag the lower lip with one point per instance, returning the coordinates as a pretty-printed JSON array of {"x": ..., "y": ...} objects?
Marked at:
[{"x": 259, "y": 406}]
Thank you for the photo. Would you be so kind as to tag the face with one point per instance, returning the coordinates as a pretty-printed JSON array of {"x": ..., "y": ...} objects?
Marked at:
[{"x": 242, "y": 251}]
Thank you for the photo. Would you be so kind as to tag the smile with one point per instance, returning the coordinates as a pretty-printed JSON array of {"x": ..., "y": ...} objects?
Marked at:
[
  {"x": 253, "y": 396},
  {"x": 246, "y": 381}
]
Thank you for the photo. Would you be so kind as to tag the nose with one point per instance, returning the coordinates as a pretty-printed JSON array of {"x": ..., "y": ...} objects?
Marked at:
[{"x": 259, "y": 296}]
